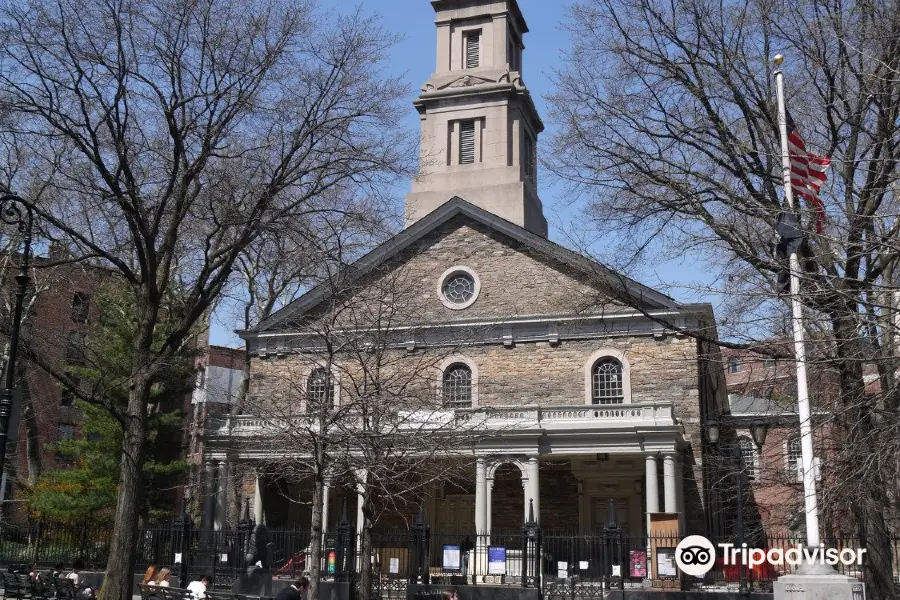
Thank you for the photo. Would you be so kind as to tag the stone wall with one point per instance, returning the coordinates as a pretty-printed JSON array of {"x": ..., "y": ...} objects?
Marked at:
[
  {"x": 515, "y": 281},
  {"x": 526, "y": 374}
]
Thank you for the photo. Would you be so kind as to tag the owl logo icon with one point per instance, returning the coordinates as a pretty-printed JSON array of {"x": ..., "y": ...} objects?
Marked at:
[{"x": 695, "y": 555}]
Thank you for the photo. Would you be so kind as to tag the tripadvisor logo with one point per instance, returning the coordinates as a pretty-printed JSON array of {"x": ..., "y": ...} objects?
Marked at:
[{"x": 695, "y": 555}]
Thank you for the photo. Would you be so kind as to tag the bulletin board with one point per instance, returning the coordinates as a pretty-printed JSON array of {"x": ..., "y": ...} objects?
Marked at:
[{"x": 665, "y": 528}]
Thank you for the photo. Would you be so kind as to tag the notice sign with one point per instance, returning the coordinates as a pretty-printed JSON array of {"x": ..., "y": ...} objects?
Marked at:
[
  {"x": 496, "y": 560},
  {"x": 452, "y": 559},
  {"x": 665, "y": 563},
  {"x": 583, "y": 565},
  {"x": 637, "y": 560},
  {"x": 394, "y": 567},
  {"x": 562, "y": 569}
]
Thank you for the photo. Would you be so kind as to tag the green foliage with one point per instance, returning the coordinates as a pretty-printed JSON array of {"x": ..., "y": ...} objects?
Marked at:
[{"x": 86, "y": 489}]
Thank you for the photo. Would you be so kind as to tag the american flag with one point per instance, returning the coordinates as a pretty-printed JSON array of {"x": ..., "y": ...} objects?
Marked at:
[{"x": 807, "y": 172}]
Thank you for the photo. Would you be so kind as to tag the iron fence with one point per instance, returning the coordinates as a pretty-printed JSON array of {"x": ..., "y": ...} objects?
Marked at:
[{"x": 559, "y": 560}]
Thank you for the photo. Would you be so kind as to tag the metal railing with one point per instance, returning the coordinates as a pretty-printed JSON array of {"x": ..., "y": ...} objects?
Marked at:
[{"x": 609, "y": 558}]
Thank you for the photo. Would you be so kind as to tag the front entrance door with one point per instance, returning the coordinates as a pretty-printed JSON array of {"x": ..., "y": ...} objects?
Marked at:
[
  {"x": 456, "y": 514},
  {"x": 600, "y": 513}
]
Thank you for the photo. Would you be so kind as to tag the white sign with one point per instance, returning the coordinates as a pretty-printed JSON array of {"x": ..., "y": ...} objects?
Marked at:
[
  {"x": 394, "y": 566},
  {"x": 177, "y": 558},
  {"x": 562, "y": 569},
  {"x": 452, "y": 558},
  {"x": 617, "y": 570},
  {"x": 583, "y": 565},
  {"x": 224, "y": 558}
]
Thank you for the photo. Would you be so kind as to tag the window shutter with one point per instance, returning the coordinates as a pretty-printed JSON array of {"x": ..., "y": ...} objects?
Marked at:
[
  {"x": 466, "y": 142},
  {"x": 472, "y": 49}
]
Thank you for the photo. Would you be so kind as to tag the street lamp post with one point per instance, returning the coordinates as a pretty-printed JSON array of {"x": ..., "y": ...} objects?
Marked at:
[
  {"x": 758, "y": 431},
  {"x": 14, "y": 211}
]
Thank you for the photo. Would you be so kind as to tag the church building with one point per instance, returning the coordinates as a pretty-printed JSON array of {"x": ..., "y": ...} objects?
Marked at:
[{"x": 585, "y": 384}]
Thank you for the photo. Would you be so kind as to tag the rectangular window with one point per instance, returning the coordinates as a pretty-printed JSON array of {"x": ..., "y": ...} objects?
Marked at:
[
  {"x": 530, "y": 158},
  {"x": 466, "y": 142},
  {"x": 75, "y": 349},
  {"x": 794, "y": 460},
  {"x": 68, "y": 398},
  {"x": 473, "y": 49},
  {"x": 734, "y": 365},
  {"x": 81, "y": 306},
  {"x": 65, "y": 432}
]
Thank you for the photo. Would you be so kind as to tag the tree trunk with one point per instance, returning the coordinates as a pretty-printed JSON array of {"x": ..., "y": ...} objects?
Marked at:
[
  {"x": 32, "y": 437},
  {"x": 316, "y": 533},
  {"x": 118, "y": 584},
  {"x": 365, "y": 549},
  {"x": 856, "y": 421}
]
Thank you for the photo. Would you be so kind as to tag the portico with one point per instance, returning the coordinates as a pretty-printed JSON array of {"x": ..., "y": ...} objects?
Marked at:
[{"x": 589, "y": 455}]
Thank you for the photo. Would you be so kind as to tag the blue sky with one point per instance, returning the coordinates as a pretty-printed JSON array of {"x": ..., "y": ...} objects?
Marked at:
[{"x": 414, "y": 57}]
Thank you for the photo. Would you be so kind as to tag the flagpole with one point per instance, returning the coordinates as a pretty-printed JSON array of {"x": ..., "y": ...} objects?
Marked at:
[{"x": 803, "y": 410}]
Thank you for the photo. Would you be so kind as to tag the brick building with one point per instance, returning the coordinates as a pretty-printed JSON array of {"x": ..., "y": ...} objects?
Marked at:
[
  {"x": 57, "y": 316},
  {"x": 763, "y": 390},
  {"x": 580, "y": 398},
  {"x": 220, "y": 373}
]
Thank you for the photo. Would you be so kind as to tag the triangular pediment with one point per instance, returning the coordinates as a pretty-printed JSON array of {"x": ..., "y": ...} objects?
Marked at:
[{"x": 522, "y": 274}]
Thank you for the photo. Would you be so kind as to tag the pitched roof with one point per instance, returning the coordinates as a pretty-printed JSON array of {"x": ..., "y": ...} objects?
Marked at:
[{"x": 621, "y": 285}]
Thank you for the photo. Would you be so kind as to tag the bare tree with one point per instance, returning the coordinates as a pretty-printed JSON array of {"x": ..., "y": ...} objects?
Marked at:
[
  {"x": 356, "y": 404},
  {"x": 668, "y": 122},
  {"x": 164, "y": 136}
]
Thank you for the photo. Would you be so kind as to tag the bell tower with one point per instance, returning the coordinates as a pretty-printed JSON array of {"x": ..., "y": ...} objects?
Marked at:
[{"x": 479, "y": 125}]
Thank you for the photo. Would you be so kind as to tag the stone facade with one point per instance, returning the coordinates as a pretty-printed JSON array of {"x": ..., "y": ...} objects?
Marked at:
[{"x": 533, "y": 322}]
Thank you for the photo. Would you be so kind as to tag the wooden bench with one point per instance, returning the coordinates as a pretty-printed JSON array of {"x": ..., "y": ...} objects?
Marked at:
[
  {"x": 151, "y": 592},
  {"x": 43, "y": 587},
  {"x": 232, "y": 596},
  {"x": 16, "y": 585},
  {"x": 67, "y": 590},
  {"x": 172, "y": 593}
]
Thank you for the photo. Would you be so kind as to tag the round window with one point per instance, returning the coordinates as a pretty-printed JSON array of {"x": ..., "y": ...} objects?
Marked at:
[{"x": 458, "y": 287}]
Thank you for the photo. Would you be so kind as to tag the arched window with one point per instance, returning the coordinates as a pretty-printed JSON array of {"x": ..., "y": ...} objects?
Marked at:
[
  {"x": 457, "y": 386},
  {"x": 319, "y": 389},
  {"x": 749, "y": 458},
  {"x": 606, "y": 382}
]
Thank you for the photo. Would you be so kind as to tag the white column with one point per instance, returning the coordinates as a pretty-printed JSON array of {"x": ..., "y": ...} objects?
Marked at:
[
  {"x": 533, "y": 489},
  {"x": 207, "y": 519},
  {"x": 679, "y": 489},
  {"x": 221, "y": 481},
  {"x": 669, "y": 483},
  {"x": 361, "y": 477},
  {"x": 651, "y": 487},
  {"x": 480, "y": 497},
  {"x": 258, "y": 514},
  {"x": 489, "y": 493}
]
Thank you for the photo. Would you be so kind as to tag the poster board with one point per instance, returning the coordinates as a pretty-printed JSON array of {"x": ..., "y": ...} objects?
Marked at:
[
  {"x": 451, "y": 559},
  {"x": 394, "y": 561},
  {"x": 637, "y": 564},
  {"x": 496, "y": 560},
  {"x": 665, "y": 528}
]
